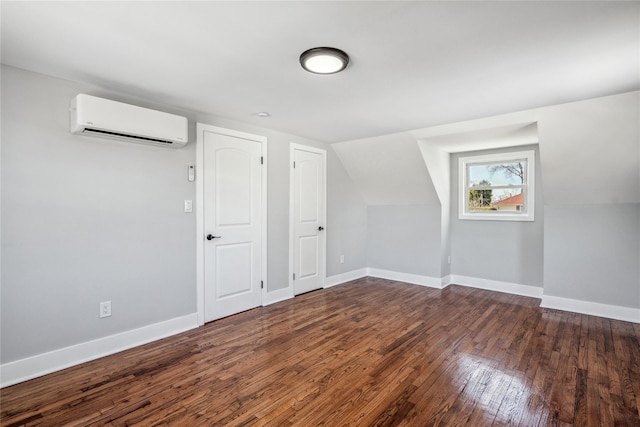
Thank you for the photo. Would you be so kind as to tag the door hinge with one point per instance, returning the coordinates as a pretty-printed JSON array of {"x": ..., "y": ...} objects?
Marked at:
[
  {"x": 261, "y": 160},
  {"x": 261, "y": 284},
  {"x": 294, "y": 165},
  {"x": 294, "y": 276}
]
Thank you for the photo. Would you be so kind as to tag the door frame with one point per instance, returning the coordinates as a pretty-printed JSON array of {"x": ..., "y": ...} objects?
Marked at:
[
  {"x": 292, "y": 147},
  {"x": 199, "y": 209}
]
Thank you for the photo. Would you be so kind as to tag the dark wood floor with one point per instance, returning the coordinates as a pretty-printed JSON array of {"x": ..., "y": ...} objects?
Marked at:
[{"x": 369, "y": 353}]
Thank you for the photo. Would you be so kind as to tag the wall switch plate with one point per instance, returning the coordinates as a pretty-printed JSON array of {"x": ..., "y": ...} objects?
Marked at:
[
  {"x": 341, "y": 259},
  {"x": 105, "y": 309},
  {"x": 188, "y": 205}
]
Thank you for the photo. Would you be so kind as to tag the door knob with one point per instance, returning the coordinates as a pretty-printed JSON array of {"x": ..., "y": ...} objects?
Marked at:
[
  {"x": 211, "y": 237},
  {"x": 320, "y": 228}
]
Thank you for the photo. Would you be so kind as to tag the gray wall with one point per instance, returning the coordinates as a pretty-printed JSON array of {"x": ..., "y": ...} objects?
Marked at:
[
  {"x": 506, "y": 251},
  {"x": 591, "y": 172},
  {"x": 86, "y": 220},
  {"x": 347, "y": 220},
  {"x": 592, "y": 253},
  {"x": 405, "y": 239}
]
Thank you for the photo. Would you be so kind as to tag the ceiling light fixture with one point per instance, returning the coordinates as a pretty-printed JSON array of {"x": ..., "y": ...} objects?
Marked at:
[
  {"x": 263, "y": 114},
  {"x": 324, "y": 60}
]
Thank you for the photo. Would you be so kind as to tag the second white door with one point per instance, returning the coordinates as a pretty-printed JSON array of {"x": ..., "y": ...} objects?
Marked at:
[{"x": 308, "y": 218}]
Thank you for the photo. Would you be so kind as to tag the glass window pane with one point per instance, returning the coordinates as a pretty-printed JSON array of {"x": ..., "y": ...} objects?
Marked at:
[
  {"x": 508, "y": 173},
  {"x": 505, "y": 200}
]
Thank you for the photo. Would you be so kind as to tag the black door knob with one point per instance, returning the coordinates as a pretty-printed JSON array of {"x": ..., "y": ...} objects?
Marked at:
[
  {"x": 320, "y": 228},
  {"x": 211, "y": 237}
]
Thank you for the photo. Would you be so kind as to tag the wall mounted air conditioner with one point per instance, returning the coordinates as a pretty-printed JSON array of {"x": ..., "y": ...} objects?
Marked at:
[{"x": 104, "y": 118}]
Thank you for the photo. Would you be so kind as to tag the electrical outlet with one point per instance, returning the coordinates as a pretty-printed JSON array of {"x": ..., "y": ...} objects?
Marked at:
[
  {"x": 341, "y": 259},
  {"x": 449, "y": 259},
  {"x": 105, "y": 309}
]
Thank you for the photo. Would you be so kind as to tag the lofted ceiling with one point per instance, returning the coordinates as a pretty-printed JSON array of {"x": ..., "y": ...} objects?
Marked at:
[{"x": 413, "y": 64}]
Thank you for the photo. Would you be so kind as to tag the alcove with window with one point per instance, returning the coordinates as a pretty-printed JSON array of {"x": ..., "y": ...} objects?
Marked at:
[{"x": 497, "y": 230}]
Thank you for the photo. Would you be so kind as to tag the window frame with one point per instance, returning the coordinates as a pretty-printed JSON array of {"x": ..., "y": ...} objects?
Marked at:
[{"x": 528, "y": 187}]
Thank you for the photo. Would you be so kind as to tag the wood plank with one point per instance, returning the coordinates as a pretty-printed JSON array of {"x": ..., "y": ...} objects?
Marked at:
[{"x": 371, "y": 352}]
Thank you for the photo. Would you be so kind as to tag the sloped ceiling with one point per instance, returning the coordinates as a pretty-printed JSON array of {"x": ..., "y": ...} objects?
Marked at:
[
  {"x": 414, "y": 64},
  {"x": 412, "y": 168},
  {"x": 388, "y": 170}
]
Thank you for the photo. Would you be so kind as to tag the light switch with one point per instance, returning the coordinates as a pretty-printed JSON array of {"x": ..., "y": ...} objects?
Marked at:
[{"x": 188, "y": 205}]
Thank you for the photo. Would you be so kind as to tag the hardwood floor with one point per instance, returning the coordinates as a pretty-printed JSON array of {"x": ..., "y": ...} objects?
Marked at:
[{"x": 369, "y": 353}]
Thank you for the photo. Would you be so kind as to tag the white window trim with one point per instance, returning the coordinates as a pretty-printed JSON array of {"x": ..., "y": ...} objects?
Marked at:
[{"x": 529, "y": 188}]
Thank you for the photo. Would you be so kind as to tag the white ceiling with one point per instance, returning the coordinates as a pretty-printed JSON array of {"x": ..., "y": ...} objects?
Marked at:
[{"x": 414, "y": 64}]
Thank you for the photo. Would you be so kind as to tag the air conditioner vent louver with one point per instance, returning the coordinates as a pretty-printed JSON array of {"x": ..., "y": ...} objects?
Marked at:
[
  {"x": 98, "y": 117},
  {"x": 123, "y": 135}
]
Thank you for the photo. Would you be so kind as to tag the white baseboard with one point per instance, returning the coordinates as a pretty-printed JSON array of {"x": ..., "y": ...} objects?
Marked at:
[
  {"x": 494, "y": 285},
  {"x": 277, "y": 296},
  {"x": 56, "y": 360},
  {"x": 627, "y": 314},
  {"x": 341, "y": 278},
  {"x": 445, "y": 281},
  {"x": 415, "y": 279}
]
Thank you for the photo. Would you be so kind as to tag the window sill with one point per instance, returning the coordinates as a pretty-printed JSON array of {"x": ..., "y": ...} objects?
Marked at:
[{"x": 497, "y": 217}]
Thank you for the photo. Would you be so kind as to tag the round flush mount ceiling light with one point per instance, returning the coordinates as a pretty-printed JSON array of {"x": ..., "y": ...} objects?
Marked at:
[{"x": 324, "y": 60}]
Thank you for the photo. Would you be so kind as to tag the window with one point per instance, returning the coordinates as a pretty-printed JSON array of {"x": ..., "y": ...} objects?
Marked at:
[{"x": 497, "y": 186}]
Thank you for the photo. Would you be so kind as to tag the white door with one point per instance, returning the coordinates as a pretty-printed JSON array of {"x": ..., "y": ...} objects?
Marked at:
[
  {"x": 308, "y": 197},
  {"x": 232, "y": 224}
]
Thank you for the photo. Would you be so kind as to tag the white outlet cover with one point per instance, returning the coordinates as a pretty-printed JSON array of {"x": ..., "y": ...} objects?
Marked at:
[{"x": 105, "y": 309}]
